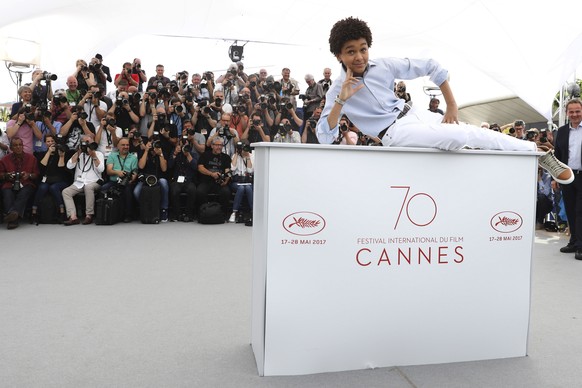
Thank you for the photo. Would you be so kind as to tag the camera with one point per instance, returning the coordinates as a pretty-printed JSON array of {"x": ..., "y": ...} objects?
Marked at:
[
  {"x": 312, "y": 123},
  {"x": 303, "y": 97},
  {"x": 218, "y": 101},
  {"x": 150, "y": 180},
  {"x": 121, "y": 101},
  {"x": 59, "y": 99},
  {"x": 186, "y": 148},
  {"x": 182, "y": 75},
  {"x": 62, "y": 147},
  {"x": 239, "y": 146},
  {"x": 136, "y": 135},
  {"x": 228, "y": 84},
  {"x": 223, "y": 177},
  {"x": 253, "y": 84},
  {"x": 284, "y": 129},
  {"x": 48, "y": 76},
  {"x": 242, "y": 109},
  {"x": 203, "y": 84},
  {"x": 81, "y": 114},
  {"x": 511, "y": 130},
  {"x": 543, "y": 136},
  {"x": 123, "y": 181},
  {"x": 16, "y": 181},
  {"x": 233, "y": 71},
  {"x": 179, "y": 108},
  {"x": 27, "y": 111},
  {"x": 343, "y": 127},
  {"x": 85, "y": 146},
  {"x": 157, "y": 144},
  {"x": 224, "y": 132},
  {"x": 111, "y": 122},
  {"x": 174, "y": 87},
  {"x": 153, "y": 95}
]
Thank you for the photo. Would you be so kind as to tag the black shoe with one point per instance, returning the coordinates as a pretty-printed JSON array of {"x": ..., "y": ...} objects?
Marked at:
[{"x": 570, "y": 248}]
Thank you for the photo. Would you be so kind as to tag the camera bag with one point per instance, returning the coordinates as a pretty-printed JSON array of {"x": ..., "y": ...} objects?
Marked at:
[
  {"x": 210, "y": 213},
  {"x": 149, "y": 204},
  {"x": 48, "y": 212},
  {"x": 107, "y": 211}
]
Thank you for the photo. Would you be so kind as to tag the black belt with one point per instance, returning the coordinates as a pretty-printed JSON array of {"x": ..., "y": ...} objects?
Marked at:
[{"x": 400, "y": 115}]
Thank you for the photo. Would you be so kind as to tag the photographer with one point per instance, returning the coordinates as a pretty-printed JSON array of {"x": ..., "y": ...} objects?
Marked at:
[
  {"x": 136, "y": 145},
  {"x": 204, "y": 119},
  {"x": 253, "y": 85},
  {"x": 108, "y": 135},
  {"x": 199, "y": 88},
  {"x": 147, "y": 108},
  {"x": 214, "y": 168},
  {"x": 312, "y": 97},
  {"x": 127, "y": 75},
  {"x": 141, "y": 75},
  {"x": 76, "y": 127},
  {"x": 122, "y": 171},
  {"x": 228, "y": 135},
  {"x": 289, "y": 86},
  {"x": 346, "y": 136},
  {"x": 89, "y": 166},
  {"x": 177, "y": 115},
  {"x": 255, "y": 132},
  {"x": 85, "y": 78},
  {"x": 25, "y": 94},
  {"x": 159, "y": 77},
  {"x": 93, "y": 106},
  {"x": 287, "y": 124},
  {"x": 309, "y": 134},
  {"x": 240, "y": 118},
  {"x": 18, "y": 171},
  {"x": 105, "y": 69},
  {"x": 242, "y": 178},
  {"x": 73, "y": 93},
  {"x": 184, "y": 163},
  {"x": 160, "y": 129},
  {"x": 46, "y": 127},
  {"x": 41, "y": 93},
  {"x": 54, "y": 177},
  {"x": 96, "y": 67},
  {"x": 124, "y": 111},
  {"x": 60, "y": 109},
  {"x": 23, "y": 126},
  {"x": 153, "y": 163},
  {"x": 195, "y": 138}
]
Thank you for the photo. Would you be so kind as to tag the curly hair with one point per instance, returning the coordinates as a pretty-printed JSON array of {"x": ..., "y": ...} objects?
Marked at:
[{"x": 348, "y": 29}]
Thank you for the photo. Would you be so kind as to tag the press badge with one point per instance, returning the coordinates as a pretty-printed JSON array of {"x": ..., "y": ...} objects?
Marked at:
[
  {"x": 38, "y": 143},
  {"x": 181, "y": 179}
]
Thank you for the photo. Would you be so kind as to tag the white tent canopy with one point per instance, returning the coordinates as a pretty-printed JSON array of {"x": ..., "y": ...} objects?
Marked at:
[{"x": 491, "y": 48}]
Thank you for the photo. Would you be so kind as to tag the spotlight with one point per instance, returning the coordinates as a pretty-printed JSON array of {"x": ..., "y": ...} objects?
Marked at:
[{"x": 235, "y": 52}]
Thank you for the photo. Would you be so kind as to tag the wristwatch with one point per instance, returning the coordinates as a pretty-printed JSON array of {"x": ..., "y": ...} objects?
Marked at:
[{"x": 339, "y": 101}]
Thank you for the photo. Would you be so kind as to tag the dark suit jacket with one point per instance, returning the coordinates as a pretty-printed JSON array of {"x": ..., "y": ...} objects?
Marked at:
[{"x": 561, "y": 143}]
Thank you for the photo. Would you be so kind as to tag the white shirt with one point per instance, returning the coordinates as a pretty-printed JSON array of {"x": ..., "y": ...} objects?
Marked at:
[
  {"x": 90, "y": 109},
  {"x": 575, "y": 148},
  {"x": 375, "y": 106},
  {"x": 85, "y": 169}
]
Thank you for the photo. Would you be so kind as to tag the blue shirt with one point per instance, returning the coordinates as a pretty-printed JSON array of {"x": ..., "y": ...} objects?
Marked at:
[{"x": 375, "y": 106}]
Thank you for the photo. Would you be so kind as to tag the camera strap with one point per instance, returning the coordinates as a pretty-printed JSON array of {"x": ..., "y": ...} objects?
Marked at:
[{"x": 121, "y": 164}]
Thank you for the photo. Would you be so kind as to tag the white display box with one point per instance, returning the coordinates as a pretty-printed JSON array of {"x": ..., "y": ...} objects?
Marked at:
[{"x": 368, "y": 257}]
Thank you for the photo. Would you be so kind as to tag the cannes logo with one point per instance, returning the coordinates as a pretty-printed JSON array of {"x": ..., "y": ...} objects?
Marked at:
[
  {"x": 506, "y": 222},
  {"x": 304, "y": 223}
]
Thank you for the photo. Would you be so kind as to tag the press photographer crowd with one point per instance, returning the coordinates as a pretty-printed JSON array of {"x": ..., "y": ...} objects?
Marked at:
[{"x": 157, "y": 149}]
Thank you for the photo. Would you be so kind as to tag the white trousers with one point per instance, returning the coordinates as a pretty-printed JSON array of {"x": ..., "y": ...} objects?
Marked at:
[{"x": 424, "y": 129}]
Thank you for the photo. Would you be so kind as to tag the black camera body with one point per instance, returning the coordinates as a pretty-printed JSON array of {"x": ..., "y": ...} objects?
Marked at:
[
  {"x": 85, "y": 146},
  {"x": 16, "y": 185}
]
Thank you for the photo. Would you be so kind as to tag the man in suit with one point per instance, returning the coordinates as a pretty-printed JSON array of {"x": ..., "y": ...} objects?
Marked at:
[{"x": 568, "y": 149}]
